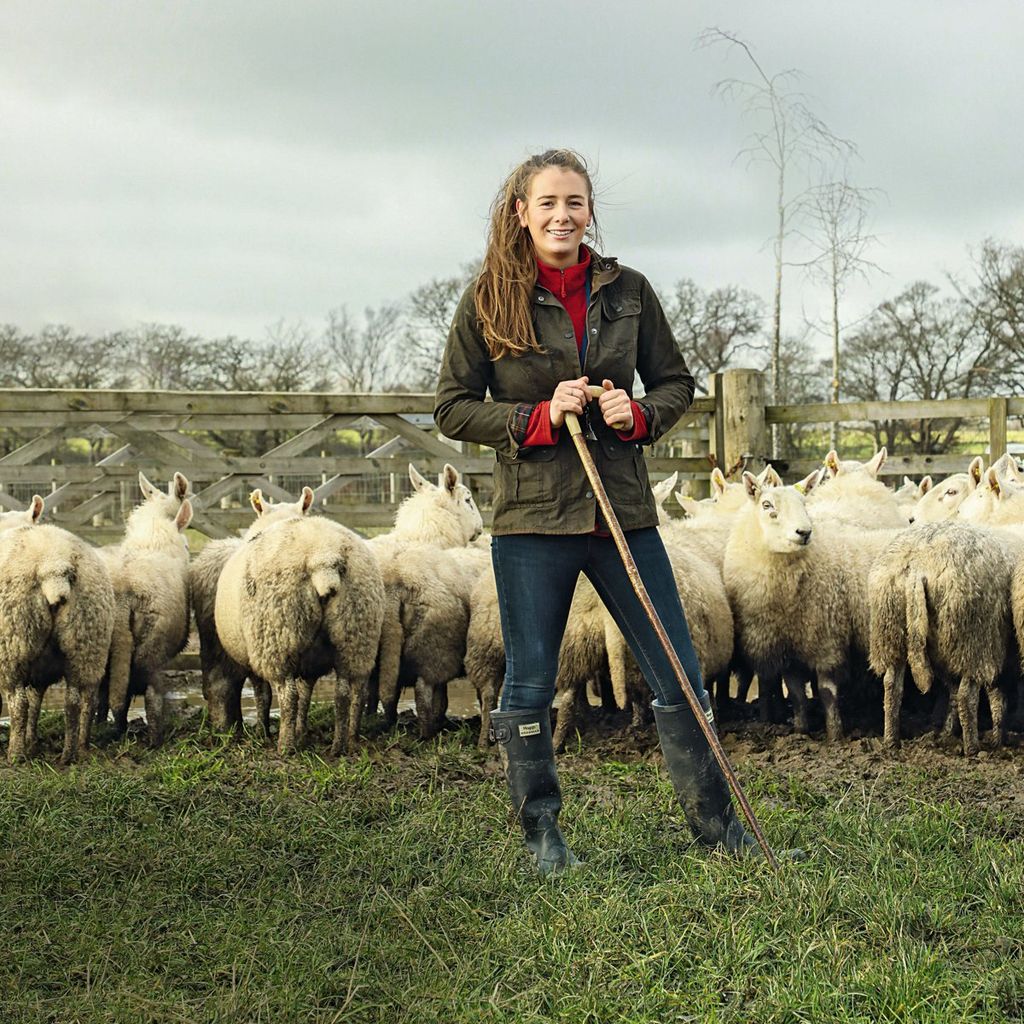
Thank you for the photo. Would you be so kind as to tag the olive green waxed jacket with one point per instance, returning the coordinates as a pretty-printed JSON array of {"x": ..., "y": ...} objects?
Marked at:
[{"x": 544, "y": 489}]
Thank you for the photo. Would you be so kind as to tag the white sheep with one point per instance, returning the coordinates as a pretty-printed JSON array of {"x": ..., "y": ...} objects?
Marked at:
[
  {"x": 940, "y": 603},
  {"x": 300, "y": 597},
  {"x": 56, "y": 619},
  {"x": 149, "y": 571},
  {"x": 851, "y": 494}
]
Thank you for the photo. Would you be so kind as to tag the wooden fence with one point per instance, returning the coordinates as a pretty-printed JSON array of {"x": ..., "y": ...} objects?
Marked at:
[{"x": 82, "y": 450}]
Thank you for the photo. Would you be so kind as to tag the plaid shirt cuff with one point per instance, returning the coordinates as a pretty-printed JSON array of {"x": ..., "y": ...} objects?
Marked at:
[{"x": 519, "y": 422}]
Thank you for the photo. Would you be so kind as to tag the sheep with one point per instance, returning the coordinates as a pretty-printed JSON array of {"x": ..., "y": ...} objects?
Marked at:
[
  {"x": 941, "y": 501},
  {"x": 852, "y": 494},
  {"x": 302, "y": 596},
  {"x": 149, "y": 571},
  {"x": 56, "y": 621},
  {"x": 426, "y": 618},
  {"x": 796, "y": 594},
  {"x": 940, "y": 602},
  {"x": 443, "y": 514}
]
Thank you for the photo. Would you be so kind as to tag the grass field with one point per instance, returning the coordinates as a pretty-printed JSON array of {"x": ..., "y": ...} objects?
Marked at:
[{"x": 216, "y": 882}]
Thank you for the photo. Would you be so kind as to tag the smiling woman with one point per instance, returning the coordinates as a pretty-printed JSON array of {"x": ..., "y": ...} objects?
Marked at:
[{"x": 547, "y": 315}]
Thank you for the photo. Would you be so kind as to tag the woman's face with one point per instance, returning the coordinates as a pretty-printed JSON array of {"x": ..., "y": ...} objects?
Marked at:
[{"x": 556, "y": 213}]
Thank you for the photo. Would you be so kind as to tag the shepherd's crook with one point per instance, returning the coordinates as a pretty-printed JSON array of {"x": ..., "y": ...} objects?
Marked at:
[{"x": 710, "y": 735}]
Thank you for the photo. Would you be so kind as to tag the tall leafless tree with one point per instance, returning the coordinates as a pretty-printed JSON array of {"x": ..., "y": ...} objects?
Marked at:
[
  {"x": 428, "y": 316},
  {"x": 364, "y": 355},
  {"x": 836, "y": 230},
  {"x": 791, "y": 139}
]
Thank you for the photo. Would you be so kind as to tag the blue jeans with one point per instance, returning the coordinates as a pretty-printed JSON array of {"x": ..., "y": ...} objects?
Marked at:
[{"x": 536, "y": 576}]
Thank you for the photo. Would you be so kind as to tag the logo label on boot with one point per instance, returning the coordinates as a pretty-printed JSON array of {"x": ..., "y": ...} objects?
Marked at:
[{"x": 533, "y": 729}]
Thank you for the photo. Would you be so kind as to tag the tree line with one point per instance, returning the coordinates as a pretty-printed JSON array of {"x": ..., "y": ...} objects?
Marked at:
[{"x": 961, "y": 339}]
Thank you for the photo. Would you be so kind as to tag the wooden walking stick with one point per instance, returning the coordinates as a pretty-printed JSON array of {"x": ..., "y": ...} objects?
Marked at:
[{"x": 580, "y": 440}]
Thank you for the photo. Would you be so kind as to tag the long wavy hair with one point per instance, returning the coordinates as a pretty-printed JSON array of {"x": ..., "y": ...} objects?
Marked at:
[{"x": 504, "y": 289}]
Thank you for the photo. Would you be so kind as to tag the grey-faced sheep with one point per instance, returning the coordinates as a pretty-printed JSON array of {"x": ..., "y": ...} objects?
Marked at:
[
  {"x": 149, "y": 571},
  {"x": 56, "y": 620},
  {"x": 300, "y": 597}
]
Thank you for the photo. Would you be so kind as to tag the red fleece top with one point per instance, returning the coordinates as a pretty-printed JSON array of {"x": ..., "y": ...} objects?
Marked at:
[{"x": 569, "y": 286}]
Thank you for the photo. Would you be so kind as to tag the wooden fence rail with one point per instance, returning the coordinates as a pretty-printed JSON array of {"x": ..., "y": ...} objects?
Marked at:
[{"x": 83, "y": 449}]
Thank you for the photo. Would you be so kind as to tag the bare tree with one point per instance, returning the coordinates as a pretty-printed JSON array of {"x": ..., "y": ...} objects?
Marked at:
[
  {"x": 429, "y": 312},
  {"x": 365, "y": 355},
  {"x": 714, "y": 327},
  {"x": 837, "y": 214},
  {"x": 292, "y": 359},
  {"x": 790, "y": 138}
]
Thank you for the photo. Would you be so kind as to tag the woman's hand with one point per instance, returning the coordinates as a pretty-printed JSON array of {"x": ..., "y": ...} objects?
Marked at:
[
  {"x": 616, "y": 407},
  {"x": 569, "y": 396}
]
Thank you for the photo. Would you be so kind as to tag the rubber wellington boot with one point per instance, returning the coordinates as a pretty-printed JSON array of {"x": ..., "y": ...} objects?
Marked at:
[
  {"x": 524, "y": 743},
  {"x": 700, "y": 784}
]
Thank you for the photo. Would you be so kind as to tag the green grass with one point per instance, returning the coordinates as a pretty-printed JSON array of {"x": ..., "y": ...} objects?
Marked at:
[{"x": 216, "y": 882}]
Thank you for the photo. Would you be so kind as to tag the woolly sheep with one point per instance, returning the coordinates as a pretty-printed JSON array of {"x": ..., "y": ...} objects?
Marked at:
[
  {"x": 300, "y": 597},
  {"x": 56, "y": 619},
  {"x": 149, "y": 572},
  {"x": 426, "y": 618},
  {"x": 940, "y": 603},
  {"x": 851, "y": 494}
]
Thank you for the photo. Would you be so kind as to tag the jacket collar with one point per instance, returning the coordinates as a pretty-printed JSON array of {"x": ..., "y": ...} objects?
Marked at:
[{"x": 603, "y": 270}]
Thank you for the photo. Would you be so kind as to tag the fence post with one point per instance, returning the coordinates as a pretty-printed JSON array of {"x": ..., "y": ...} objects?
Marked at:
[
  {"x": 744, "y": 434},
  {"x": 997, "y": 412}
]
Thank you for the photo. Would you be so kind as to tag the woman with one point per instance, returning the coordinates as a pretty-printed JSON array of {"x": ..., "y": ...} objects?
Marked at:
[{"x": 546, "y": 317}]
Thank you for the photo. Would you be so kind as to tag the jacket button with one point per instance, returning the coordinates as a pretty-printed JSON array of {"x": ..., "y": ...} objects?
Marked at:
[
  {"x": 540, "y": 298},
  {"x": 568, "y": 334},
  {"x": 590, "y": 494},
  {"x": 618, "y": 309},
  {"x": 593, "y": 330}
]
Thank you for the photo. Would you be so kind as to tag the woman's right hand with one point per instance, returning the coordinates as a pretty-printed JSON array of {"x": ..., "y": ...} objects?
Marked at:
[{"x": 569, "y": 396}]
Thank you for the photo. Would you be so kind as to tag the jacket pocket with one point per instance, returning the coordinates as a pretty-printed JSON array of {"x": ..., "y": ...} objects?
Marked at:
[
  {"x": 532, "y": 477},
  {"x": 624, "y": 471}
]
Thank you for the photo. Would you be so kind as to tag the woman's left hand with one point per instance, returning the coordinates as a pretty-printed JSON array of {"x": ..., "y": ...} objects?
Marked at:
[{"x": 616, "y": 407}]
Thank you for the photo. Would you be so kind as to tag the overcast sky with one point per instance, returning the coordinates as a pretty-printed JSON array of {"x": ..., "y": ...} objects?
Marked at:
[{"x": 222, "y": 165}]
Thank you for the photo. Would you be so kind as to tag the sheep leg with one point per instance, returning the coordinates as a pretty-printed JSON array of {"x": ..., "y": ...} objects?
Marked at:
[
  {"x": 566, "y": 716},
  {"x": 967, "y": 708},
  {"x": 289, "y": 705},
  {"x": 223, "y": 699},
  {"x": 373, "y": 693},
  {"x": 103, "y": 701},
  {"x": 769, "y": 698},
  {"x": 34, "y": 696},
  {"x": 119, "y": 672},
  {"x": 893, "y": 684},
  {"x": 85, "y": 721},
  {"x": 606, "y": 691},
  {"x": 615, "y": 648},
  {"x": 154, "y": 702},
  {"x": 305, "y": 690},
  {"x": 796, "y": 687},
  {"x": 828, "y": 691},
  {"x": 72, "y": 720},
  {"x": 425, "y": 709},
  {"x": 487, "y": 696},
  {"x": 357, "y": 699},
  {"x": 339, "y": 745},
  {"x": 439, "y": 706},
  {"x": 262, "y": 697},
  {"x": 18, "y": 701},
  {"x": 997, "y": 705}
]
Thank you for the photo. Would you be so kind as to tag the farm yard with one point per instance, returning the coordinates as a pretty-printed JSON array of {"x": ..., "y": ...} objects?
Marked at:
[{"x": 346, "y": 865}]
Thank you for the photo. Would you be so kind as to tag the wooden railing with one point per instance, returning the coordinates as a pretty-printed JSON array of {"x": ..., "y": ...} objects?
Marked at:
[{"x": 82, "y": 450}]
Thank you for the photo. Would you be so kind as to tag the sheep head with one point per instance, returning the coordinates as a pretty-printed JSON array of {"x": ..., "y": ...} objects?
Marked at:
[
  {"x": 780, "y": 514},
  {"x": 23, "y": 517}
]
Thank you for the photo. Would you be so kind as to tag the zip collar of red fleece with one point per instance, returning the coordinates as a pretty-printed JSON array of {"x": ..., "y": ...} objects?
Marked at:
[{"x": 564, "y": 282}]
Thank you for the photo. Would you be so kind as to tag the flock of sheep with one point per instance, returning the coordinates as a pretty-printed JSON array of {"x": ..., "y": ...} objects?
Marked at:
[{"x": 810, "y": 588}]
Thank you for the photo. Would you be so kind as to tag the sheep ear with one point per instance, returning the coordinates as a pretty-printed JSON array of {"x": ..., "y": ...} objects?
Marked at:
[
  {"x": 875, "y": 465},
  {"x": 179, "y": 486},
  {"x": 1014, "y": 467},
  {"x": 751, "y": 484},
  {"x": 718, "y": 481},
  {"x": 184, "y": 516},
  {"x": 449, "y": 478},
  {"x": 992, "y": 481},
  {"x": 417, "y": 479},
  {"x": 36, "y": 507},
  {"x": 975, "y": 471},
  {"x": 148, "y": 490},
  {"x": 907, "y": 482},
  {"x": 689, "y": 505},
  {"x": 306, "y": 499},
  {"x": 832, "y": 462},
  {"x": 768, "y": 477},
  {"x": 256, "y": 500},
  {"x": 809, "y": 482},
  {"x": 924, "y": 486}
]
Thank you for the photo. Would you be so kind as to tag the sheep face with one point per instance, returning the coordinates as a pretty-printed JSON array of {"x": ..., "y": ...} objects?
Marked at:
[
  {"x": 995, "y": 501},
  {"x": 449, "y": 503},
  {"x": 781, "y": 516},
  {"x": 943, "y": 499}
]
